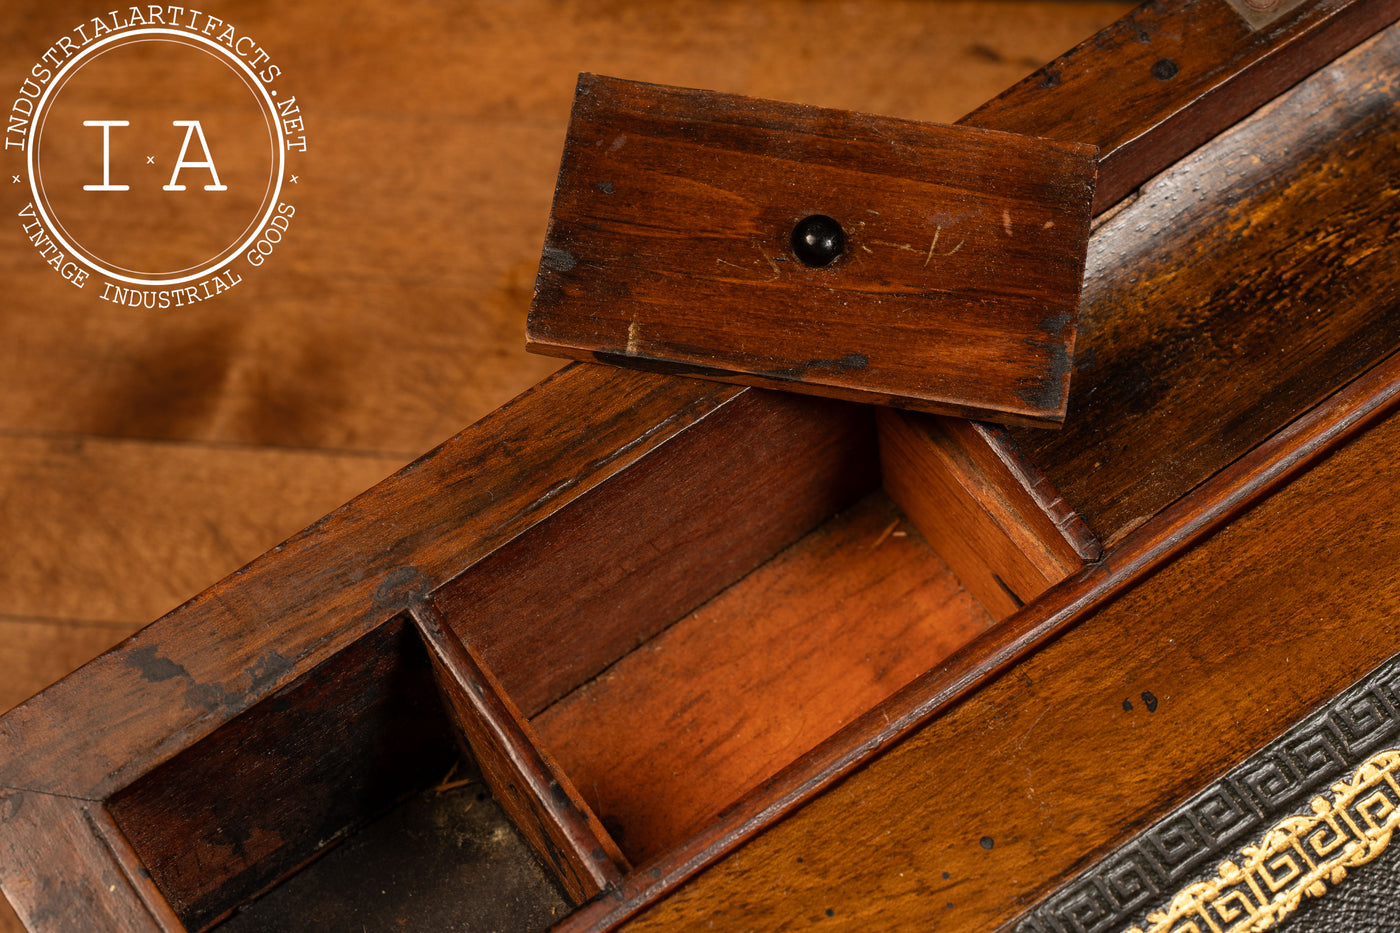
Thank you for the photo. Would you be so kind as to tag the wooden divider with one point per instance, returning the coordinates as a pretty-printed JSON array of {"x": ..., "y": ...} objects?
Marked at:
[{"x": 544, "y": 804}]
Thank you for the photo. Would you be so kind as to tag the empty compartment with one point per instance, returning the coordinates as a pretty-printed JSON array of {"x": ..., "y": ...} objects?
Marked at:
[
  {"x": 619, "y": 674},
  {"x": 443, "y": 860},
  {"x": 663, "y": 741},
  {"x": 695, "y": 625},
  {"x": 363, "y": 738}
]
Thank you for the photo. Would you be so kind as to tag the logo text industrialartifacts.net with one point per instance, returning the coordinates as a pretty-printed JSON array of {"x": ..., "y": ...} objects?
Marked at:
[{"x": 158, "y": 151}]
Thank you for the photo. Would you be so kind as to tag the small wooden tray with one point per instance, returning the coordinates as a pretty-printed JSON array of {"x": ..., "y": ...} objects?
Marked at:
[{"x": 675, "y": 244}]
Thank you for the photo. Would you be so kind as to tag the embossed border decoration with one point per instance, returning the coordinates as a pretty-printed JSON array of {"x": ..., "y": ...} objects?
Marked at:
[
  {"x": 1298, "y": 858},
  {"x": 1252, "y": 808}
]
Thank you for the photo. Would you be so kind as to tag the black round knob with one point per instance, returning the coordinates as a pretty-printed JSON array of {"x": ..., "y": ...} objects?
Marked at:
[{"x": 818, "y": 240}]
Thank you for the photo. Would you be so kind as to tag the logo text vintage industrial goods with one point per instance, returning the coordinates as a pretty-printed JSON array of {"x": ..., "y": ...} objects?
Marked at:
[{"x": 152, "y": 154}]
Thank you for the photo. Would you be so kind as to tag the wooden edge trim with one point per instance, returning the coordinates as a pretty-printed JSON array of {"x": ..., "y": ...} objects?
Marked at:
[
  {"x": 1047, "y": 419},
  {"x": 539, "y": 798},
  {"x": 1247, "y": 72},
  {"x": 1306, "y": 40},
  {"x": 972, "y": 510},
  {"x": 1073, "y": 529},
  {"x": 1312, "y": 40},
  {"x": 66, "y": 866},
  {"x": 126, "y": 859},
  {"x": 1272, "y": 827},
  {"x": 1224, "y": 496},
  {"x": 306, "y": 599}
]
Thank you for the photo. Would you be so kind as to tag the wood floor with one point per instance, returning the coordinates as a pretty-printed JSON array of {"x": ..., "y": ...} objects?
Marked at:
[{"x": 145, "y": 454}]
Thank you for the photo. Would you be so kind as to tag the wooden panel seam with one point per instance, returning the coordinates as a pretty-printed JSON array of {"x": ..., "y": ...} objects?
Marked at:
[
  {"x": 972, "y": 511},
  {"x": 126, "y": 859},
  {"x": 79, "y": 858}
]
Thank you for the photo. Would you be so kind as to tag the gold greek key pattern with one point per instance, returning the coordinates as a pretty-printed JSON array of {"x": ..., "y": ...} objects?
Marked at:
[{"x": 1302, "y": 857}]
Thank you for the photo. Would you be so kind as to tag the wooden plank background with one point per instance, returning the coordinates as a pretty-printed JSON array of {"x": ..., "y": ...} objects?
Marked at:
[{"x": 145, "y": 454}]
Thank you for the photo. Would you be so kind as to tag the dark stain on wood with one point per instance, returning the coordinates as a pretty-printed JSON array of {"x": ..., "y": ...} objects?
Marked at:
[
  {"x": 958, "y": 243},
  {"x": 154, "y": 668},
  {"x": 271, "y": 667},
  {"x": 1290, "y": 291},
  {"x": 448, "y": 861},
  {"x": 251, "y": 802},
  {"x": 402, "y": 587}
]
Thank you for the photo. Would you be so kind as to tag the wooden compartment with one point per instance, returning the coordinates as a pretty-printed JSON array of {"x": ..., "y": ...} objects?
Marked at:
[
  {"x": 669, "y": 735},
  {"x": 677, "y": 687},
  {"x": 345, "y": 743}
]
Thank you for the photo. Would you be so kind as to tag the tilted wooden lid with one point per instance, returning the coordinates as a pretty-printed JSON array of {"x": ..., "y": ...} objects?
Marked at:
[{"x": 929, "y": 267}]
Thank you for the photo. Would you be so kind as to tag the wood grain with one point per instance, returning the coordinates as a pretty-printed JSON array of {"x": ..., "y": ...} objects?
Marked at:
[
  {"x": 974, "y": 510},
  {"x": 540, "y": 799},
  {"x": 154, "y": 523},
  {"x": 37, "y": 652},
  {"x": 420, "y": 217},
  {"x": 1183, "y": 366},
  {"x": 101, "y": 888},
  {"x": 181, "y": 685},
  {"x": 348, "y": 574},
  {"x": 681, "y": 728},
  {"x": 1229, "y": 70},
  {"x": 359, "y": 336},
  {"x": 669, "y": 247},
  {"x": 557, "y": 605},
  {"x": 1184, "y": 72},
  {"x": 359, "y": 339},
  {"x": 996, "y": 801},
  {"x": 259, "y": 797},
  {"x": 1158, "y": 540}
]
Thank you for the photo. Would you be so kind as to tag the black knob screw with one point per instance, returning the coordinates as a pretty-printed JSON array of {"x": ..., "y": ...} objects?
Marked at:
[{"x": 818, "y": 240}]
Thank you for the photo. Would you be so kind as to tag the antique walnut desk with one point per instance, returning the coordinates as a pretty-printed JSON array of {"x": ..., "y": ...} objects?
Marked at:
[{"x": 730, "y": 658}]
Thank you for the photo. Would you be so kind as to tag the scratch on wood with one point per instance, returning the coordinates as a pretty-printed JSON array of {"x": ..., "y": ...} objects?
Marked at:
[
  {"x": 1006, "y": 222},
  {"x": 632, "y": 339},
  {"x": 932, "y": 246},
  {"x": 777, "y": 272},
  {"x": 904, "y": 246},
  {"x": 885, "y": 534}
]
